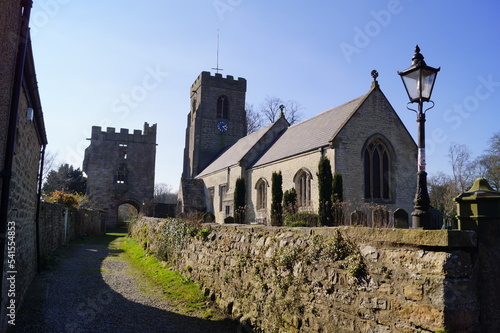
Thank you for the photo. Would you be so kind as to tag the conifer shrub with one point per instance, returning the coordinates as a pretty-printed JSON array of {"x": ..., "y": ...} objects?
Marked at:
[
  {"x": 325, "y": 183},
  {"x": 239, "y": 201},
  {"x": 276, "y": 199},
  {"x": 290, "y": 201}
]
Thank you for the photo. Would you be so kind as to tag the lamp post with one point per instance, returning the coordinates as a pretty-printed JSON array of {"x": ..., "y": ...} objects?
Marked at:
[{"x": 419, "y": 81}]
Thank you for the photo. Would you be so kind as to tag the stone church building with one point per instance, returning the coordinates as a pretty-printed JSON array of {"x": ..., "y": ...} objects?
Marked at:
[{"x": 364, "y": 139}]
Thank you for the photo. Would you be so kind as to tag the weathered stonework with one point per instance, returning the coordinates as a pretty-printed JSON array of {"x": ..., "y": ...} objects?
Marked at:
[
  {"x": 373, "y": 119},
  {"x": 120, "y": 168},
  {"x": 203, "y": 138},
  {"x": 290, "y": 280},
  {"x": 60, "y": 225},
  {"x": 22, "y": 114}
]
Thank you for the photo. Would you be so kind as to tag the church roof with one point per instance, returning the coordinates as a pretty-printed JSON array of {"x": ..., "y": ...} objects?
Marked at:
[
  {"x": 308, "y": 135},
  {"x": 235, "y": 153},
  {"x": 312, "y": 133}
]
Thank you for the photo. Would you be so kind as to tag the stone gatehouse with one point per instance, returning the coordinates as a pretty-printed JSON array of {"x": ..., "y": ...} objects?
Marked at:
[{"x": 120, "y": 167}]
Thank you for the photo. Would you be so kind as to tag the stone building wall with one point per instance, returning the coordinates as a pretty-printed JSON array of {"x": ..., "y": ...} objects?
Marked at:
[
  {"x": 23, "y": 200},
  {"x": 120, "y": 168},
  {"x": 203, "y": 140},
  {"x": 313, "y": 280},
  {"x": 20, "y": 252},
  {"x": 376, "y": 119},
  {"x": 10, "y": 24}
]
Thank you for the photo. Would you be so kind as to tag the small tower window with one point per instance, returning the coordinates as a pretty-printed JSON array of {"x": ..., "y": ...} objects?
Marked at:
[
  {"x": 223, "y": 107},
  {"x": 121, "y": 177},
  {"x": 122, "y": 148}
]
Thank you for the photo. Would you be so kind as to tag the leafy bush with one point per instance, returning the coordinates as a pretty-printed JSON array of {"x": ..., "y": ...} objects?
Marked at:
[
  {"x": 303, "y": 219},
  {"x": 298, "y": 224},
  {"x": 63, "y": 198},
  {"x": 290, "y": 201}
]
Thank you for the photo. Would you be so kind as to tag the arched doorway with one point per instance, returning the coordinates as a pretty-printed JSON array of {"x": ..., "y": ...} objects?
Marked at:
[{"x": 127, "y": 210}]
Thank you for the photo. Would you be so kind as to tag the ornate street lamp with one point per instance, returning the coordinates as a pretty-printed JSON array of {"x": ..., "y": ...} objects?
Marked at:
[{"x": 419, "y": 81}]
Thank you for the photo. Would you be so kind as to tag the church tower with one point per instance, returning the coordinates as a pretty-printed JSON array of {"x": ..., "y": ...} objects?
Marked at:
[{"x": 217, "y": 119}]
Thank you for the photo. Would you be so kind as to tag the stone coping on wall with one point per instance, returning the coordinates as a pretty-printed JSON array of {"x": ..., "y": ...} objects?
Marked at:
[{"x": 386, "y": 236}]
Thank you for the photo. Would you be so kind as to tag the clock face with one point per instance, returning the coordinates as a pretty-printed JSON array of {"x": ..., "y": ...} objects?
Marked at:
[{"x": 222, "y": 126}]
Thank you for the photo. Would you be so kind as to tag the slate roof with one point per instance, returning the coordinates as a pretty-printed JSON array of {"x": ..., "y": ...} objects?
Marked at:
[
  {"x": 311, "y": 134},
  {"x": 234, "y": 153},
  {"x": 305, "y": 136}
]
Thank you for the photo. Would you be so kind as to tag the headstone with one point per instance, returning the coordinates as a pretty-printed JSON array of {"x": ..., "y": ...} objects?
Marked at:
[
  {"x": 401, "y": 219},
  {"x": 358, "y": 218}
]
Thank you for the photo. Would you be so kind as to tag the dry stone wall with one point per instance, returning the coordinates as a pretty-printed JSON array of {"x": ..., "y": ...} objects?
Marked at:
[
  {"x": 60, "y": 225},
  {"x": 343, "y": 279}
]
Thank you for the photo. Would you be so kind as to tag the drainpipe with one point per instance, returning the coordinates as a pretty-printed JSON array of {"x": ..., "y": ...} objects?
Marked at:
[
  {"x": 38, "y": 206},
  {"x": 6, "y": 173}
]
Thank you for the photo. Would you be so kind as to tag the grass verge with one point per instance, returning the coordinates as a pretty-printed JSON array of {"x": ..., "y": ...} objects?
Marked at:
[{"x": 182, "y": 293}]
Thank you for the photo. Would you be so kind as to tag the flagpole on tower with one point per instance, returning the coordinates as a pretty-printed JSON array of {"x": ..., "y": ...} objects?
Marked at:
[{"x": 217, "y": 69}]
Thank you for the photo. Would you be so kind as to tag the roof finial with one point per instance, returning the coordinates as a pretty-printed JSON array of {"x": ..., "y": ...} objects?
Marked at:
[
  {"x": 281, "y": 110},
  {"x": 374, "y": 75},
  {"x": 418, "y": 58}
]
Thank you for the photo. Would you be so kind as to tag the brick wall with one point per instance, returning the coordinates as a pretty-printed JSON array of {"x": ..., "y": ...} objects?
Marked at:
[{"x": 290, "y": 280}]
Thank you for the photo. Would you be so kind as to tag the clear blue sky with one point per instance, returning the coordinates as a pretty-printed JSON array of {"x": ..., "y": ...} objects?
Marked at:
[{"x": 120, "y": 63}]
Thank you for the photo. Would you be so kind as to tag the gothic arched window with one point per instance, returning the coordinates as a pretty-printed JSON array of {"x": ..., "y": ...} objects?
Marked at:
[
  {"x": 302, "y": 181},
  {"x": 223, "y": 107},
  {"x": 261, "y": 188},
  {"x": 377, "y": 168}
]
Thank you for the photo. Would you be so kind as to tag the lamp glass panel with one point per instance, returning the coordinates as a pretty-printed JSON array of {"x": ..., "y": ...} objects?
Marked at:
[
  {"x": 428, "y": 78},
  {"x": 412, "y": 84}
]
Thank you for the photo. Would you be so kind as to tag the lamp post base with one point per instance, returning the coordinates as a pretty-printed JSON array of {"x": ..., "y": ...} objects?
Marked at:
[{"x": 420, "y": 219}]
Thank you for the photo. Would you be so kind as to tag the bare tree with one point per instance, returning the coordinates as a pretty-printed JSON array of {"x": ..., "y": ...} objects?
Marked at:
[
  {"x": 489, "y": 163},
  {"x": 163, "y": 193},
  {"x": 462, "y": 166},
  {"x": 254, "y": 119},
  {"x": 271, "y": 110},
  {"x": 442, "y": 191},
  {"x": 49, "y": 164}
]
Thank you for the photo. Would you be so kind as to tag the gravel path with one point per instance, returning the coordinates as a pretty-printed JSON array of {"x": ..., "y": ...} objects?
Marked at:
[{"x": 93, "y": 291}]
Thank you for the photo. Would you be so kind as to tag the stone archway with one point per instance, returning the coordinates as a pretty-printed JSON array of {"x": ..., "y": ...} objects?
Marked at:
[{"x": 126, "y": 210}]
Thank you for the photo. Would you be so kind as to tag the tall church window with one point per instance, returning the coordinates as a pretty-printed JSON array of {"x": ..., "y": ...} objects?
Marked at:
[
  {"x": 261, "y": 188},
  {"x": 222, "y": 193},
  {"x": 223, "y": 107},
  {"x": 377, "y": 170},
  {"x": 303, "y": 187}
]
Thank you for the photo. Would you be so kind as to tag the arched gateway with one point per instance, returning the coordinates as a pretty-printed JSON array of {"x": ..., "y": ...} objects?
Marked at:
[{"x": 120, "y": 168}]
